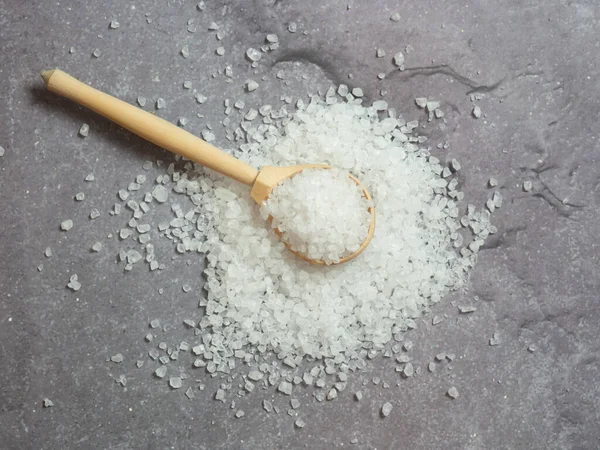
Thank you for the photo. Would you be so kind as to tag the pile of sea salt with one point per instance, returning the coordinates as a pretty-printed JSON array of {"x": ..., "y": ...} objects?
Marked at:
[
  {"x": 270, "y": 310},
  {"x": 320, "y": 213}
]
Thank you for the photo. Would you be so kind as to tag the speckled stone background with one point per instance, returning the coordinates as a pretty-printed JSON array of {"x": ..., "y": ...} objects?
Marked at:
[{"x": 536, "y": 64}]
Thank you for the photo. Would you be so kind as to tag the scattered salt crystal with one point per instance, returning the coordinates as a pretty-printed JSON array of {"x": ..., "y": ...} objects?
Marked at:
[
  {"x": 66, "y": 225},
  {"x": 386, "y": 409},
  {"x": 160, "y": 193},
  {"x": 84, "y": 130},
  {"x": 495, "y": 339},
  {"x": 74, "y": 283},
  {"x": 253, "y": 55},
  {"x": 220, "y": 395},
  {"x": 380, "y": 105},
  {"x": 208, "y": 136},
  {"x": 408, "y": 370},
  {"x": 399, "y": 59},
  {"x": 452, "y": 393},
  {"x": 421, "y": 102},
  {"x": 285, "y": 388},
  {"x": 332, "y": 394},
  {"x": 251, "y": 85},
  {"x": 141, "y": 101},
  {"x": 189, "y": 393},
  {"x": 267, "y": 406},
  {"x": 175, "y": 382},
  {"x": 251, "y": 114},
  {"x": 432, "y": 106},
  {"x": 497, "y": 199}
]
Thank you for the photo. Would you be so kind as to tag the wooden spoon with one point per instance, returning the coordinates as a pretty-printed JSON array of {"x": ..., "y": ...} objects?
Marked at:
[{"x": 177, "y": 140}]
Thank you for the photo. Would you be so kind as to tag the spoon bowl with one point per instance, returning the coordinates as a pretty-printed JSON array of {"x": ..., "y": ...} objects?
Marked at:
[
  {"x": 175, "y": 139},
  {"x": 270, "y": 176}
]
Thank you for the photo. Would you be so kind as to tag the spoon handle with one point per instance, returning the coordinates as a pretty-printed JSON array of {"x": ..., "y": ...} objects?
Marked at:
[{"x": 149, "y": 126}]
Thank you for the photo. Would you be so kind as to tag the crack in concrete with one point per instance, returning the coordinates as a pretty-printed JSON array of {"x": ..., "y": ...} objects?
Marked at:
[
  {"x": 445, "y": 69},
  {"x": 500, "y": 240}
]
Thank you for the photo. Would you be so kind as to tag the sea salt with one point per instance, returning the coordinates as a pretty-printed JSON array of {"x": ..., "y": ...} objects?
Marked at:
[
  {"x": 320, "y": 213},
  {"x": 260, "y": 294}
]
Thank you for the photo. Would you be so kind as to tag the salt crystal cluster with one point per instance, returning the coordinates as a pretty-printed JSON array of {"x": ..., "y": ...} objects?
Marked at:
[
  {"x": 261, "y": 298},
  {"x": 320, "y": 213}
]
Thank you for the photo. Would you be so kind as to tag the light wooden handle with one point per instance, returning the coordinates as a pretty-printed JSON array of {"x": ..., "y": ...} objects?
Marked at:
[{"x": 149, "y": 127}]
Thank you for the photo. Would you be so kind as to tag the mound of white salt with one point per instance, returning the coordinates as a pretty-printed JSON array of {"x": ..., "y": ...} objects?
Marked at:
[
  {"x": 262, "y": 299},
  {"x": 320, "y": 213}
]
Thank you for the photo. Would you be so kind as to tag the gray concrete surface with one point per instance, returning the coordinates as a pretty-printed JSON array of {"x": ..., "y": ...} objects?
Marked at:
[{"x": 536, "y": 63}]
